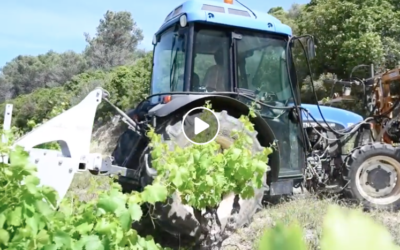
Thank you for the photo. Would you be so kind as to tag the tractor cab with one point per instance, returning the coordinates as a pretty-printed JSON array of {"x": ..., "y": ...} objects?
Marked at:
[{"x": 221, "y": 48}]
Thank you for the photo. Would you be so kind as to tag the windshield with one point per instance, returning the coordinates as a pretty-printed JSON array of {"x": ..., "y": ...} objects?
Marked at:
[
  {"x": 261, "y": 63},
  {"x": 169, "y": 63}
]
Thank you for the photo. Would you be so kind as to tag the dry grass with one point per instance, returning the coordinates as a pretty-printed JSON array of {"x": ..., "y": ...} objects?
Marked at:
[
  {"x": 85, "y": 183},
  {"x": 104, "y": 140},
  {"x": 308, "y": 211}
]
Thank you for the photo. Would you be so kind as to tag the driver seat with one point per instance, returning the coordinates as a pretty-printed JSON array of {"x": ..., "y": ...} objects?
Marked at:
[{"x": 214, "y": 79}]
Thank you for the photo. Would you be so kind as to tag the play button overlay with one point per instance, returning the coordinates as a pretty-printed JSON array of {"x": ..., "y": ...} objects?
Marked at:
[{"x": 200, "y": 125}]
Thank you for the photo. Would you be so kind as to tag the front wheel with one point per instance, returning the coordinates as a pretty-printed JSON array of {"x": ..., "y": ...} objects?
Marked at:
[
  {"x": 178, "y": 218},
  {"x": 374, "y": 172}
]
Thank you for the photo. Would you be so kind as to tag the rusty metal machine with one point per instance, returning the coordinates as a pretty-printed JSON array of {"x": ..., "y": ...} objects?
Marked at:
[
  {"x": 383, "y": 100},
  {"x": 363, "y": 161}
]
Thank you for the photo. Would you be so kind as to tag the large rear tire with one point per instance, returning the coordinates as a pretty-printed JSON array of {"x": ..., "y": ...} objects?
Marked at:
[
  {"x": 233, "y": 211},
  {"x": 374, "y": 172}
]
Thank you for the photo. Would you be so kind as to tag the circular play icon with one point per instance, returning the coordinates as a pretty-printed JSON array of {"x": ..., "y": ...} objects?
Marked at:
[{"x": 200, "y": 125}]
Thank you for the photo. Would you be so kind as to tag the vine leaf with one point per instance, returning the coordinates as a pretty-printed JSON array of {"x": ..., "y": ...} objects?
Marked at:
[
  {"x": 4, "y": 237},
  {"x": 154, "y": 193},
  {"x": 136, "y": 212}
]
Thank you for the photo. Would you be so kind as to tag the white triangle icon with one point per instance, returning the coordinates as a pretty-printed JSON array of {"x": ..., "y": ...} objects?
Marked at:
[{"x": 199, "y": 126}]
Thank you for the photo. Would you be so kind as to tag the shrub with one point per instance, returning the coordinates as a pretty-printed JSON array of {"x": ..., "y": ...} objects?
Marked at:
[{"x": 36, "y": 106}]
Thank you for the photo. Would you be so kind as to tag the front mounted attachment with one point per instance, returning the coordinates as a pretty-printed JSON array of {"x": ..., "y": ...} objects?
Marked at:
[{"x": 73, "y": 131}]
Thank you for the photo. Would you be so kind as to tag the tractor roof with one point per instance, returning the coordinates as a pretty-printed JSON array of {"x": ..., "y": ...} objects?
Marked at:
[{"x": 218, "y": 12}]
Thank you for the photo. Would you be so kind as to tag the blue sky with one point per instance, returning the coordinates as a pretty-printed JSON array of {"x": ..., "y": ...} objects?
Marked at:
[{"x": 35, "y": 27}]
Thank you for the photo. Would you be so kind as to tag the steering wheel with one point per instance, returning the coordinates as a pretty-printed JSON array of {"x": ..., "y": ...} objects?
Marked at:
[{"x": 266, "y": 95}]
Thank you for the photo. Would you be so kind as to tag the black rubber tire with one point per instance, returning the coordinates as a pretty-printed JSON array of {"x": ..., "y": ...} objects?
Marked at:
[
  {"x": 182, "y": 217},
  {"x": 354, "y": 162}
]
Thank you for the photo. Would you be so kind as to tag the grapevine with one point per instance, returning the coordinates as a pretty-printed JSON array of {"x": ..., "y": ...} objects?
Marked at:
[
  {"x": 30, "y": 220},
  {"x": 202, "y": 174},
  {"x": 209, "y": 172}
]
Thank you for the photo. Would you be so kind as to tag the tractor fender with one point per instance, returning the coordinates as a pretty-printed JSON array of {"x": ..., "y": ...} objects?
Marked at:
[
  {"x": 235, "y": 108},
  {"x": 178, "y": 102}
]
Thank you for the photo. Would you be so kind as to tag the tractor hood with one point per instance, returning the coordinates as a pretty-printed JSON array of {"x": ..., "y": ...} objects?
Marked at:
[{"x": 337, "y": 116}]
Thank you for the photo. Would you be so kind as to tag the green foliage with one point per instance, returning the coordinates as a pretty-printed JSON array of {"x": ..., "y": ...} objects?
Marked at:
[
  {"x": 127, "y": 86},
  {"x": 10, "y": 136},
  {"x": 342, "y": 230},
  {"x": 37, "y": 106},
  {"x": 29, "y": 218},
  {"x": 289, "y": 17},
  {"x": 25, "y": 74},
  {"x": 283, "y": 238},
  {"x": 370, "y": 34},
  {"x": 81, "y": 82}
]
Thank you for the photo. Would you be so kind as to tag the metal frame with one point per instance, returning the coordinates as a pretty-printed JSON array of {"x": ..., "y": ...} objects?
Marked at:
[{"x": 6, "y": 127}]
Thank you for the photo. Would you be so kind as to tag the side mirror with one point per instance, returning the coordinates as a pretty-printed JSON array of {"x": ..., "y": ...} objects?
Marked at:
[
  {"x": 155, "y": 39},
  {"x": 311, "y": 47}
]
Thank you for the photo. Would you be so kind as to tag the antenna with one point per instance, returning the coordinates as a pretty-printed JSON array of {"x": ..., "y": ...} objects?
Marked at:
[{"x": 247, "y": 8}]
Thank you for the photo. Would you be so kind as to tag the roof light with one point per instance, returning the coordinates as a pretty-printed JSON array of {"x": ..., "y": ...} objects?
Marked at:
[
  {"x": 183, "y": 21},
  {"x": 228, "y": 1}
]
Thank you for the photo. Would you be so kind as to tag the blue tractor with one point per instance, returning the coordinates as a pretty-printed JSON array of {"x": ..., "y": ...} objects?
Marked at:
[{"x": 230, "y": 55}]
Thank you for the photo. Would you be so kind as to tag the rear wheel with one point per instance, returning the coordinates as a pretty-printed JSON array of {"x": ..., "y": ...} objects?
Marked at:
[
  {"x": 233, "y": 212},
  {"x": 374, "y": 176}
]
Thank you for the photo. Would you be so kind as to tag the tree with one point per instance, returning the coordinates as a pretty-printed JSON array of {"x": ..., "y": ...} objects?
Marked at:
[
  {"x": 352, "y": 32},
  {"x": 5, "y": 89},
  {"x": 26, "y": 73},
  {"x": 289, "y": 17},
  {"x": 115, "y": 42}
]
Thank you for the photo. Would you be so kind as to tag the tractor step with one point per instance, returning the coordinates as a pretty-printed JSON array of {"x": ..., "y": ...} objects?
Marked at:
[{"x": 282, "y": 187}]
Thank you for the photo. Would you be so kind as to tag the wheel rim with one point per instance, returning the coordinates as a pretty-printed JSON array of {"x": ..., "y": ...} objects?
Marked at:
[{"x": 377, "y": 180}]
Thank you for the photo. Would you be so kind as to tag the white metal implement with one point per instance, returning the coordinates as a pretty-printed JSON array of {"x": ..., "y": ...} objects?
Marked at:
[
  {"x": 73, "y": 131},
  {"x": 6, "y": 127}
]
